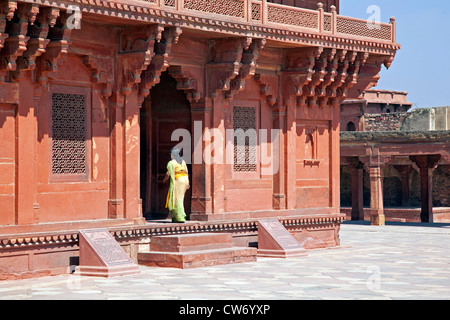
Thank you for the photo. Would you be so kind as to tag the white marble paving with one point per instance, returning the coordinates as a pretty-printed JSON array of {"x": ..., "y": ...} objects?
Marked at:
[{"x": 392, "y": 262}]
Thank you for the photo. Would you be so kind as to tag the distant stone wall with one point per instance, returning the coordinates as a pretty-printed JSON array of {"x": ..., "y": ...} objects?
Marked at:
[
  {"x": 427, "y": 119},
  {"x": 384, "y": 121},
  {"x": 441, "y": 186}
]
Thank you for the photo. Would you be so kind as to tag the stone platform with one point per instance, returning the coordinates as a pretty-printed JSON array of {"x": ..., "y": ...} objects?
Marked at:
[
  {"x": 52, "y": 249},
  {"x": 195, "y": 251}
]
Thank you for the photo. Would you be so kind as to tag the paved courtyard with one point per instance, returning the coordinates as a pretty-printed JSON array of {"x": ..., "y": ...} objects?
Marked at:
[{"x": 397, "y": 261}]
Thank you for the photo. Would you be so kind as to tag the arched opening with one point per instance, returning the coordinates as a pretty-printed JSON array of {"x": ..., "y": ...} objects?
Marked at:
[
  {"x": 309, "y": 147},
  {"x": 351, "y": 126},
  {"x": 165, "y": 110}
]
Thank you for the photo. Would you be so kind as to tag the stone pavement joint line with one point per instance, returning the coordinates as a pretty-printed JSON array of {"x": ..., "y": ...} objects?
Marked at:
[{"x": 390, "y": 262}]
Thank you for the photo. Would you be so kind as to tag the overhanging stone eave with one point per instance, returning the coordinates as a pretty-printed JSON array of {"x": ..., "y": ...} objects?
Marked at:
[{"x": 279, "y": 34}]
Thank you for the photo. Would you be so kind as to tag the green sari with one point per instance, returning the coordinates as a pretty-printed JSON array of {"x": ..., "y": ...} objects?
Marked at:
[{"x": 179, "y": 184}]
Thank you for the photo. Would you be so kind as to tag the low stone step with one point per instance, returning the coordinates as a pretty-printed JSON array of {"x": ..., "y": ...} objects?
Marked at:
[
  {"x": 191, "y": 242},
  {"x": 197, "y": 259}
]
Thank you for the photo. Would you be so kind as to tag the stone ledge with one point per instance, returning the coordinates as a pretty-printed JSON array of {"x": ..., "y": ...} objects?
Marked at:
[
  {"x": 129, "y": 232},
  {"x": 407, "y": 136}
]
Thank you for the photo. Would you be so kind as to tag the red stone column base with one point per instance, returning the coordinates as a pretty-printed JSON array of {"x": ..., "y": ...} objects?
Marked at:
[{"x": 377, "y": 218}]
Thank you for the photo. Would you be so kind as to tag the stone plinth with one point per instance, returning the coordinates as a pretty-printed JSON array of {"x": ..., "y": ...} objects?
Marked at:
[
  {"x": 194, "y": 251},
  {"x": 102, "y": 256},
  {"x": 275, "y": 241}
]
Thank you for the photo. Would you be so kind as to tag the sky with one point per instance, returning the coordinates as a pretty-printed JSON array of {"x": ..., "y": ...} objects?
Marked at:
[{"x": 422, "y": 66}]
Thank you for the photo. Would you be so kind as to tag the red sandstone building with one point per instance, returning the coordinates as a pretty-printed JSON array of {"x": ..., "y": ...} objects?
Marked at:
[{"x": 91, "y": 91}]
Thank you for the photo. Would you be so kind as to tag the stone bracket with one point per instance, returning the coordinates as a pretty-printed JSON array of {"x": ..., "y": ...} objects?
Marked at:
[
  {"x": 186, "y": 81},
  {"x": 226, "y": 64},
  {"x": 247, "y": 69},
  {"x": 159, "y": 61}
]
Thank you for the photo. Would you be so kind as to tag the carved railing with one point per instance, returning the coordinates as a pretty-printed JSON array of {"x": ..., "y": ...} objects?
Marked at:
[{"x": 261, "y": 12}]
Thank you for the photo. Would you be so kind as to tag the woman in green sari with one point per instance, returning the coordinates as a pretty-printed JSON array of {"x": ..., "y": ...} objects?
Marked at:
[{"x": 177, "y": 172}]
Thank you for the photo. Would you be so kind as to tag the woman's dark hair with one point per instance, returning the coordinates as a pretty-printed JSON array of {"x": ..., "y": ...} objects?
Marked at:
[{"x": 176, "y": 154}]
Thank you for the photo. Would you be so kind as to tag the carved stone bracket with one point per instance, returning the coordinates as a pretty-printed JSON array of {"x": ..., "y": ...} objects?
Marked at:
[
  {"x": 16, "y": 43},
  {"x": 359, "y": 61},
  {"x": 426, "y": 161},
  {"x": 225, "y": 62},
  {"x": 268, "y": 85},
  {"x": 374, "y": 160},
  {"x": 160, "y": 60},
  {"x": 247, "y": 69},
  {"x": 325, "y": 75},
  {"x": 7, "y": 9},
  {"x": 137, "y": 54},
  {"x": 101, "y": 73},
  {"x": 38, "y": 42},
  {"x": 186, "y": 81},
  {"x": 299, "y": 71},
  {"x": 59, "y": 35},
  {"x": 368, "y": 74}
]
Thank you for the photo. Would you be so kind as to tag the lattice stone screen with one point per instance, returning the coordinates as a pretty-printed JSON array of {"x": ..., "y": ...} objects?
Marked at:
[
  {"x": 233, "y": 8},
  {"x": 244, "y": 118},
  {"x": 68, "y": 134},
  {"x": 292, "y": 16},
  {"x": 361, "y": 28}
]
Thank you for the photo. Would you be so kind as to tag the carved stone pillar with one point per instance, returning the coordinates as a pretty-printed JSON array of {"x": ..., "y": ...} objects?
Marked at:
[
  {"x": 374, "y": 165},
  {"x": 279, "y": 177},
  {"x": 115, "y": 207},
  {"x": 201, "y": 205},
  {"x": 357, "y": 192},
  {"x": 426, "y": 164}
]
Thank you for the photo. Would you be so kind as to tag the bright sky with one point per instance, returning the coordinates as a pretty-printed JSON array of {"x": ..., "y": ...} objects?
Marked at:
[{"x": 422, "y": 66}]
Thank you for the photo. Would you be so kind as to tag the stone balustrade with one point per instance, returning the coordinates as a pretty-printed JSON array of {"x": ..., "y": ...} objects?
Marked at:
[{"x": 267, "y": 14}]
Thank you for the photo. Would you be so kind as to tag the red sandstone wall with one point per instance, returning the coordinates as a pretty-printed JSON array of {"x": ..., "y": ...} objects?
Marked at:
[
  {"x": 246, "y": 190},
  {"x": 7, "y": 155},
  {"x": 68, "y": 198},
  {"x": 314, "y": 168}
]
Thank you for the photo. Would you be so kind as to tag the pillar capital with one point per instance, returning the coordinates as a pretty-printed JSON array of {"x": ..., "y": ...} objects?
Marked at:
[
  {"x": 374, "y": 161},
  {"x": 426, "y": 161}
]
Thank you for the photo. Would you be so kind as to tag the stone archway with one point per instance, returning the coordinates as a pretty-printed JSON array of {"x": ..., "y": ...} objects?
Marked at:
[{"x": 164, "y": 110}]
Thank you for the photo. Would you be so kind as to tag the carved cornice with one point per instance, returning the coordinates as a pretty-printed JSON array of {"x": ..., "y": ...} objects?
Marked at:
[{"x": 204, "y": 22}]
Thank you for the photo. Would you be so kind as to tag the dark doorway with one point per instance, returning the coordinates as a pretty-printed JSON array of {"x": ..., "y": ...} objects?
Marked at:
[
  {"x": 165, "y": 110},
  {"x": 351, "y": 126}
]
